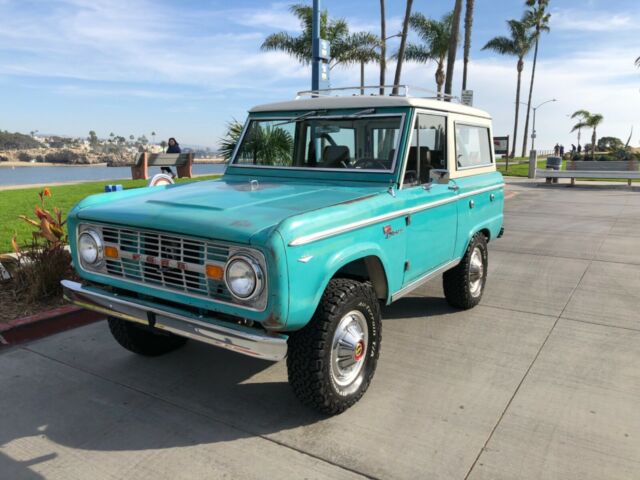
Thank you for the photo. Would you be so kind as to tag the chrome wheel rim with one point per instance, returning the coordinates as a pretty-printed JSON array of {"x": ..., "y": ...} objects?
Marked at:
[
  {"x": 476, "y": 272},
  {"x": 348, "y": 351}
]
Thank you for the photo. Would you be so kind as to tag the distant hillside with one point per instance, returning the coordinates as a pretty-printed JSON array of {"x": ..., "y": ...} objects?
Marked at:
[{"x": 17, "y": 141}]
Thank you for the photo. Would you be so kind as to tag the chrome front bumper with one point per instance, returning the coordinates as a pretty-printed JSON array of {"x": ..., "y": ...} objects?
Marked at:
[{"x": 204, "y": 329}]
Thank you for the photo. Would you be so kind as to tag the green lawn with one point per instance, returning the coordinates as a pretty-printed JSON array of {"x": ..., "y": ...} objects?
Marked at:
[
  {"x": 522, "y": 170},
  {"x": 23, "y": 201}
]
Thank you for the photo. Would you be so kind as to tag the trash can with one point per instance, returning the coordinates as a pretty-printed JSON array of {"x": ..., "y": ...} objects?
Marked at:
[{"x": 553, "y": 163}]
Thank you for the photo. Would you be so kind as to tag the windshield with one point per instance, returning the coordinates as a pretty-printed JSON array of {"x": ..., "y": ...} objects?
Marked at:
[{"x": 346, "y": 142}]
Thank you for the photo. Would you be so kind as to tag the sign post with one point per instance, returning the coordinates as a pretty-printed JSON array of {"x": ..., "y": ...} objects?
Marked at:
[
  {"x": 467, "y": 97},
  {"x": 320, "y": 53}
]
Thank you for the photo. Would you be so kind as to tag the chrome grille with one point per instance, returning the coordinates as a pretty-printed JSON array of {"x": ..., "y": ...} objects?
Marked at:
[{"x": 168, "y": 261}]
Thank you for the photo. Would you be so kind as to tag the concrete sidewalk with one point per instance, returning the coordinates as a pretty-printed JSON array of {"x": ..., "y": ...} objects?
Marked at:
[{"x": 540, "y": 381}]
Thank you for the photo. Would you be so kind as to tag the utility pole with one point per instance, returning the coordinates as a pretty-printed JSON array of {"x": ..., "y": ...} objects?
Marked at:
[{"x": 315, "y": 47}]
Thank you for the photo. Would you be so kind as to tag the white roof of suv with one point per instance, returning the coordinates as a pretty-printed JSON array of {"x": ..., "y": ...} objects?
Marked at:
[{"x": 369, "y": 101}]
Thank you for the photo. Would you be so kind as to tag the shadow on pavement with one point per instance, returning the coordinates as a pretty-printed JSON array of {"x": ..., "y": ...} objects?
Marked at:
[
  {"x": 197, "y": 395},
  {"x": 14, "y": 469},
  {"x": 413, "y": 307}
]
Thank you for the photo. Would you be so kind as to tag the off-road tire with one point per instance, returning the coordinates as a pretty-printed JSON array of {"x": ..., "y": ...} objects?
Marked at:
[
  {"x": 309, "y": 361},
  {"x": 456, "y": 281},
  {"x": 143, "y": 340}
]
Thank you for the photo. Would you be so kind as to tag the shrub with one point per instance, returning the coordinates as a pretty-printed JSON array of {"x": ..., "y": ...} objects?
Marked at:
[{"x": 42, "y": 264}]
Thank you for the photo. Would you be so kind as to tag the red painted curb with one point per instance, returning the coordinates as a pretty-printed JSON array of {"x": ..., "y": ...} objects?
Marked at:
[{"x": 45, "y": 324}]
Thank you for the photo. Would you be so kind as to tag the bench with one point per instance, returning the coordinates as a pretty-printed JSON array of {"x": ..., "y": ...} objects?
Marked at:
[
  {"x": 182, "y": 161},
  {"x": 610, "y": 169}
]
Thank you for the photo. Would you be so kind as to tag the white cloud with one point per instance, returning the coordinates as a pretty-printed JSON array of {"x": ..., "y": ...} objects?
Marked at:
[{"x": 586, "y": 20}]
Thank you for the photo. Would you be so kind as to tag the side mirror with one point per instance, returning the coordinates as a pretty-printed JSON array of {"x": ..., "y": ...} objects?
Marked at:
[{"x": 439, "y": 176}]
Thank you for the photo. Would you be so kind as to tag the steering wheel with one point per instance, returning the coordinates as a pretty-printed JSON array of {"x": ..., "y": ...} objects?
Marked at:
[{"x": 370, "y": 164}]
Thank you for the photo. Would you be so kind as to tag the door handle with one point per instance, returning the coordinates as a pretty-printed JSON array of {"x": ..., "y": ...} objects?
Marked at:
[{"x": 455, "y": 188}]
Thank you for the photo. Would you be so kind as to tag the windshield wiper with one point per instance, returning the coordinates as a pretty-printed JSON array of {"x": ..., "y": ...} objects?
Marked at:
[
  {"x": 300, "y": 117},
  {"x": 362, "y": 112}
]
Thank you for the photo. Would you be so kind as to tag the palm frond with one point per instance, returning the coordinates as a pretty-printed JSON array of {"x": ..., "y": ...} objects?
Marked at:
[
  {"x": 231, "y": 138},
  {"x": 416, "y": 53},
  {"x": 584, "y": 114},
  {"x": 501, "y": 45},
  {"x": 579, "y": 126}
]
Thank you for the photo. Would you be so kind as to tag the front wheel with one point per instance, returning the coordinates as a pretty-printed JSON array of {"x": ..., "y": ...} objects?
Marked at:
[
  {"x": 464, "y": 283},
  {"x": 332, "y": 360},
  {"x": 143, "y": 340}
]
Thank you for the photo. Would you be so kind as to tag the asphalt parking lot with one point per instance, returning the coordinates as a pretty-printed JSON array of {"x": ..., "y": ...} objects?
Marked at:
[{"x": 542, "y": 380}]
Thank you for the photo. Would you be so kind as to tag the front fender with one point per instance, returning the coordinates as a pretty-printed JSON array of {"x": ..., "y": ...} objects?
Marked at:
[{"x": 312, "y": 267}]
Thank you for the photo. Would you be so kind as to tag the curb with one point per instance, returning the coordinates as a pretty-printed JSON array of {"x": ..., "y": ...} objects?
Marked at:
[{"x": 45, "y": 324}]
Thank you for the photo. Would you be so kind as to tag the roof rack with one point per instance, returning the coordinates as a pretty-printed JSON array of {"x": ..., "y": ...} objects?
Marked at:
[{"x": 358, "y": 91}]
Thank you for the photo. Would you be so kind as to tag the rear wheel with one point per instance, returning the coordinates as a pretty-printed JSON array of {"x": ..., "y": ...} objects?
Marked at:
[
  {"x": 464, "y": 284},
  {"x": 332, "y": 360},
  {"x": 143, "y": 340}
]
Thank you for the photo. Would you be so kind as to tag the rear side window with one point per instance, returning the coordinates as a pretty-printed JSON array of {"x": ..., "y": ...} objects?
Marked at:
[{"x": 472, "y": 146}]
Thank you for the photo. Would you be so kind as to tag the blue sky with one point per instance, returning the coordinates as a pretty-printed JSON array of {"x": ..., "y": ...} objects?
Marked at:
[{"x": 185, "y": 68}]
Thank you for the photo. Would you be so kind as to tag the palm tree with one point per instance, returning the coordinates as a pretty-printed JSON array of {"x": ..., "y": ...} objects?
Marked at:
[
  {"x": 403, "y": 46},
  {"x": 538, "y": 18},
  {"x": 336, "y": 31},
  {"x": 588, "y": 120},
  {"x": 518, "y": 45},
  {"x": 153, "y": 137},
  {"x": 435, "y": 37},
  {"x": 453, "y": 46},
  {"x": 363, "y": 48},
  {"x": 468, "y": 24},
  {"x": 230, "y": 140},
  {"x": 383, "y": 47}
]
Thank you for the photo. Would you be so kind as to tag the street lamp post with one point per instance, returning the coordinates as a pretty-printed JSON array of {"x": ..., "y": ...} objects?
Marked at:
[
  {"x": 315, "y": 47},
  {"x": 533, "y": 155}
]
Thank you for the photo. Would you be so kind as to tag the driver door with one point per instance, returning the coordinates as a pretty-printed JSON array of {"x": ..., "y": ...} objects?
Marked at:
[{"x": 432, "y": 223}]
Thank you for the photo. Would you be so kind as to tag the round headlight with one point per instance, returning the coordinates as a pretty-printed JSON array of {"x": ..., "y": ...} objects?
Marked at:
[
  {"x": 90, "y": 247},
  {"x": 243, "y": 277}
]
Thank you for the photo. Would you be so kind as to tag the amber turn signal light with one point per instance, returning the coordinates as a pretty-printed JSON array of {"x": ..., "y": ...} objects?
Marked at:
[
  {"x": 215, "y": 272},
  {"x": 111, "y": 252}
]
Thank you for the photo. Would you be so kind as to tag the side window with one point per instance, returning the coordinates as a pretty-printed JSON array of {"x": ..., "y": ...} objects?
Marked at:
[
  {"x": 472, "y": 146},
  {"x": 428, "y": 148}
]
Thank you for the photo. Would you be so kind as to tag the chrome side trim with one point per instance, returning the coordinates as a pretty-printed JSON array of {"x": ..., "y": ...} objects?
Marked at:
[
  {"x": 254, "y": 344},
  {"x": 314, "y": 237},
  {"x": 423, "y": 279}
]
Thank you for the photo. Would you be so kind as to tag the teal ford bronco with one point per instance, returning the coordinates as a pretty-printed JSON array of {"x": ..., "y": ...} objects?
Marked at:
[{"x": 330, "y": 207}]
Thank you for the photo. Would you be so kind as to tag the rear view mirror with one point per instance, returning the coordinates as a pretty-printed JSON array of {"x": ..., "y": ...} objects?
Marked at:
[{"x": 439, "y": 176}]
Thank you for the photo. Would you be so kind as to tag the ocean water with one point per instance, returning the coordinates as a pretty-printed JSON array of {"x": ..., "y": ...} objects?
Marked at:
[{"x": 43, "y": 175}]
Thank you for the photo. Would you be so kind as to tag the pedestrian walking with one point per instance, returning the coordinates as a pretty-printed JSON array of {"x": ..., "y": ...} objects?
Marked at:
[{"x": 561, "y": 150}]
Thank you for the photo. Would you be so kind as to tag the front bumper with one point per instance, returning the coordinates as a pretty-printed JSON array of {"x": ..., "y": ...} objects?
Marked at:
[{"x": 209, "y": 330}]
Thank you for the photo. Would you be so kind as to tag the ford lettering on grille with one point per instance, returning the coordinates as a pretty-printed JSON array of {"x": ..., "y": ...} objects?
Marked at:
[{"x": 167, "y": 261}]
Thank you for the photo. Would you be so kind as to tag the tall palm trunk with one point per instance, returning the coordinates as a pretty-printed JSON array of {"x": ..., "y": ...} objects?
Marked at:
[
  {"x": 362, "y": 78},
  {"x": 515, "y": 123},
  {"x": 468, "y": 24},
  {"x": 594, "y": 138},
  {"x": 440, "y": 76},
  {"x": 453, "y": 46},
  {"x": 403, "y": 45},
  {"x": 533, "y": 76},
  {"x": 383, "y": 47}
]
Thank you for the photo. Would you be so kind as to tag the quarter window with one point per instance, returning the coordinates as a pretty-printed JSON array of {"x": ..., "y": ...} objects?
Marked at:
[{"x": 472, "y": 146}]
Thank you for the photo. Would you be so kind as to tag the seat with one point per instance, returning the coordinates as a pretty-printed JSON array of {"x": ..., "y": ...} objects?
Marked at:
[{"x": 333, "y": 156}]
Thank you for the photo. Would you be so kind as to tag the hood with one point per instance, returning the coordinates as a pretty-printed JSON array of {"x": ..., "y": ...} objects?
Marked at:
[{"x": 230, "y": 209}]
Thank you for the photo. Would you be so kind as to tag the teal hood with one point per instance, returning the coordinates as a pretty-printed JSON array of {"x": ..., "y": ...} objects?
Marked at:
[{"x": 231, "y": 208}]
